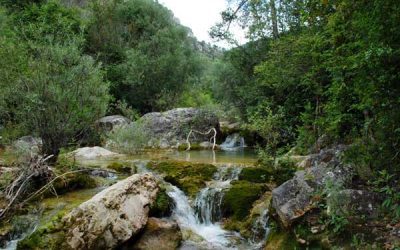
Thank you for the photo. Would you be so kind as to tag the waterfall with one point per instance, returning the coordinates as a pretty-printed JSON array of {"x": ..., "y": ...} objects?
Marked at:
[
  {"x": 203, "y": 220},
  {"x": 213, "y": 236},
  {"x": 233, "y": 142},
  {"x": 208, "y": 202},
  {"x": 260, "y": 230}
]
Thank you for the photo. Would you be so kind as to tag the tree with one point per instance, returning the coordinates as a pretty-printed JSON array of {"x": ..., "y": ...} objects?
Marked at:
[
  {"x": 64, "y": 93},
  {"x": 47, "y": 85},
  {"x": 149, "y": 57}
]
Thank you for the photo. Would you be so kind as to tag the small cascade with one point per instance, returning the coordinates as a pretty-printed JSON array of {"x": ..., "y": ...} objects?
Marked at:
[
  {"x": 212, "y": 234},
  {"x": 260, "y": 230},
  {"x": 233, "y": 142},
  {"x": 208, "y": 203}
]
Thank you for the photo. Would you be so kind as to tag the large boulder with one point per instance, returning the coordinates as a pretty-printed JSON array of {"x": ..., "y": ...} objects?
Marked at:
[
  {"x": 90, "y": 153},
  {"x": 108, "y": 123},
  {"x": 294, "y": 198},
  {"x": 323, "y": 157},
  {"x": 170, "y": 128},
  {"x": 112, "y": 216},
  {"x": 159, "y": 234}
]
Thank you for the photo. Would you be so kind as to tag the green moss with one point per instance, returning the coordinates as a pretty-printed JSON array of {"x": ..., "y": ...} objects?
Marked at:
[
  {"x": 48, "y": 236},
  {"x": 50, "y": 233},
  {"x": 281, "y": 240},
  {"x": 239, "y": 199},
  {"x": 190, "y": 177},
  {"x": 256, "y": 174},
  {"x": 121, "y": 168},
  {"x": 162, "y": 207},
  {"x": 74, "y": 181}
]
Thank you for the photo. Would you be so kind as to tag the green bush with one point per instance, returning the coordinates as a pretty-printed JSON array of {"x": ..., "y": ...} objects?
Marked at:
[{"x": 128, "y": 139}]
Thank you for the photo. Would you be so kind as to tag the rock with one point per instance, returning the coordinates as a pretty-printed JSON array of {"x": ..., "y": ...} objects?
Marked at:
[
  {"x": 108, "y": 123},
  {"x": 293, "y": 199},
  {"x": 90, "y": 153},
  {"x": 170, "y": 128},
  {"x": 322, "y": 142},
  {"x": 324, "y": 156},
  {"x": 28, "y": 143},
  {"x": 190, "y": 177},
  {"x": 239, "y": 198},
  {"x": 112, "y": 216},
  {"x": 206, "y": 145},
  {"x": 360, "y": 202},
  {"x": 228, "y": 128},
  {"x": 159, "y": 234}
]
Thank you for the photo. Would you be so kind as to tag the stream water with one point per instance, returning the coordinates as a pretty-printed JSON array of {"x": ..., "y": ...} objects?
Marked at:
[{"x": 200, "y": 219}]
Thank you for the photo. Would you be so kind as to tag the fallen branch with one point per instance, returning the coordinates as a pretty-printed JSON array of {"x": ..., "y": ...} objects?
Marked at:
[{"x": 213, "y": 138}]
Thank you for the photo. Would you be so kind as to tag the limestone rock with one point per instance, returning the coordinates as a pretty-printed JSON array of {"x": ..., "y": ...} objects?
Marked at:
[
  {"x": 360, "y": 202},
  {"x": 293, "y": 198},
  {"x": 170, "y": 128},
  {"x": 112, "y": 216},
  {"x": 159, "y": 234},
  {"x": 324, "y": 156},
  {"x": 89, "y": 153},
  {"x": 108, "y": 123}
]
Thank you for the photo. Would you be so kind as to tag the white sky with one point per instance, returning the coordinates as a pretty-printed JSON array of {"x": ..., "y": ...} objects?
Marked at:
[{"x": 200, "y": 16}]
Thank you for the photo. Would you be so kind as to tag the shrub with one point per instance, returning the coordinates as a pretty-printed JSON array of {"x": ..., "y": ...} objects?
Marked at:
[{"x": 128, "y": 139}]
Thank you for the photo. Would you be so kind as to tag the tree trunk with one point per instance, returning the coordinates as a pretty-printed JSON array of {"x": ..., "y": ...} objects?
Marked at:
[{"x": 274, "y": 19}]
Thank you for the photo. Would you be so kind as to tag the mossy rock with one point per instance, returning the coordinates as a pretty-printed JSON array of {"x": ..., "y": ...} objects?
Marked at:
[
  {"x": 74, "y": 181},
  {"x": 239, "y": 198},
  {"x": 255, "y": 174},
  {"x": 163, "y": 205},
  {"x": 190, "y": 177},
  {"x": 48, "y": 236},
  {"x": 281, "y": 240},
  {"x": 121, "y": 168}
]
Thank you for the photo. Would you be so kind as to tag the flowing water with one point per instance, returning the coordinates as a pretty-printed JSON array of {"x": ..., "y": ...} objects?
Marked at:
[
  {"x": 200, "y": 219},
  {"x": 208, "y": 203},
  {"x": 234, "y": 142}
]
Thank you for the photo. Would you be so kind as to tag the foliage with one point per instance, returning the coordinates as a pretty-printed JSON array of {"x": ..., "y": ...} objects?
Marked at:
[
  {"x": 56, "y": 92},
  {"x": 387, "y": 184},
  {"x": 128, "y": 139},
  {"x": 337, "y": 216},
  {"x": 331, "y": 69},
  {"x": 148, "y": 56}
]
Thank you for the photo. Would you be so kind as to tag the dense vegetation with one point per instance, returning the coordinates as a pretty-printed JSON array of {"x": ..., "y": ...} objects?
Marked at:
[
  {"x": 65, "y": 64},
  {"x": 320, "y": 69}
]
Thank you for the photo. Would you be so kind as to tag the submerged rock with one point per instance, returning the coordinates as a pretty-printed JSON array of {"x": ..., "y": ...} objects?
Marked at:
[
  {"x": 159, "y": 234},
  {"x": 112, "y": 216},
  {"x": 90, "y": 153},
  {"x": 108, "y": 123},
  {"x": 170, "y": 128}
]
